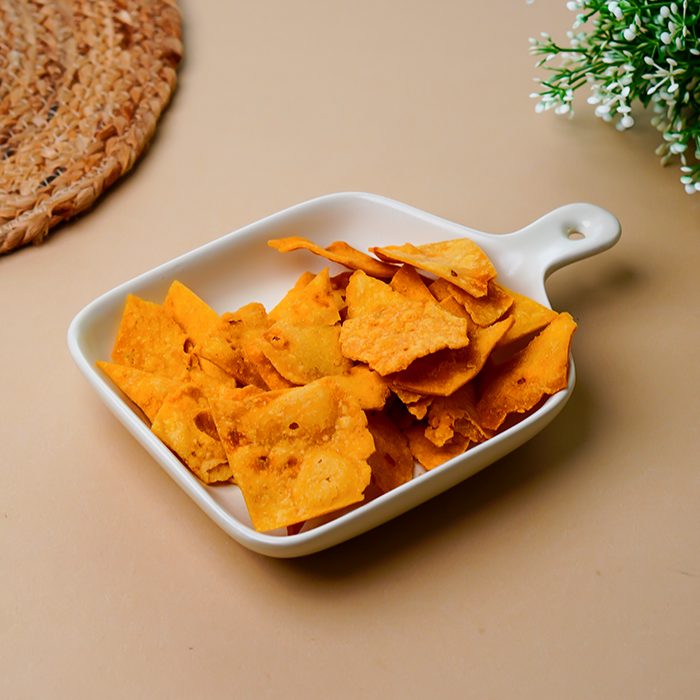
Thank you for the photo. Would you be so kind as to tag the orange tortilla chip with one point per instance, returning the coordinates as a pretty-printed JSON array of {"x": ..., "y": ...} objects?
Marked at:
[
  {"x": 367, "y": 386},
  {"x": 392, "y": 462},
  {"x": 226, "y": 344},
  {"x": 539, "y": 369},
  {"x": 185, "y": 424},
  {"x": 338, "y": 252},
  {"x": 145, "y": 389},
  {"x": 443, "y": 372},
  {"x": 482, "y": 310},
  {"x": 387, "y": 331},
  {"x": 315, "y": 303},
  {"x": 408, "y": 282},
  {"x": 416, "y": 404},
  {"x": 429, "y": 455},
  {"x": 149, "y": 339},
  {"x": 366, "y": 295},
  {"x": 290, "y": 297},
  {"x": 453, "y": 414},
  {"x": 451, "y": 305},
  {"x": 265, "y": 368},
  {"x": 528, "y": 316},
  {"x": 216, "y": 373},
  {"x": 340, "y": 281},
  {"x": 304, "y": 353},
  {"x": 296, "y": 454},
  {"x": 193, "y": 315},
  {"x": 459, "y": 261},
  {"x": 213, "y": 382},
  {"x": 303, "y": 344},
  {"x": 391, "y": 339}
]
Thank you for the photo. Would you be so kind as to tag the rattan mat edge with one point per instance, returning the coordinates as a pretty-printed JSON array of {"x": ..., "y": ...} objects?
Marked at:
[{"x": 82, "y": 86}]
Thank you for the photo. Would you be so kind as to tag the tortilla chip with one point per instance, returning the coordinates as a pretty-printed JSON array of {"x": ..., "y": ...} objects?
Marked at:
[
  {"x": 314, "y": 304},
  {"x": 539, "y": 369},
  {"x": 528, "y": 316},
  {"x": 339, "y": 284},
  {"x": 185, "y": 424},
  {"x": 366, "y": 295},
  {"x": 408, "y": 282},
  {"x": 459, "y": 261},
  {"x": 145, "y": 389},
  {"x": 407, "y": 397},
  {"x": 216, "y": 373},
  {"x": 419, "y": 409},
  {"x": 290, "y": 297},
  {"x": 304, "y": 353},
  {"x": 296, "y": 454},
  {"x": 226, "y": 344},
  {"x": 368, "y": 387},
  {"x": 451, "y": 305},
  {"x": 429, "y": 455},
  {"x": 392, "y": 462},
  {"x": 193, "y": 315},
  {"x": 340, "y": 281},
  {"x": 265, "y": 368},
  {"x": 416, "y": 404},
  {"x": 482, "y": 310},
  {"x": 151, "y": 340},
  {"x": 338, "y": 252},
  {"x": 302, "y": 344},
  {"x": 453, "y": 414},
  {"x": 213, "y": 381},
  {"x": 443, "y": 372},
  {"x": 388, "y": 332}
]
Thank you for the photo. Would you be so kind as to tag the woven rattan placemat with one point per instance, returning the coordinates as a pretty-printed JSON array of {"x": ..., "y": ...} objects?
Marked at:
[{"x": 82, "y": 85}]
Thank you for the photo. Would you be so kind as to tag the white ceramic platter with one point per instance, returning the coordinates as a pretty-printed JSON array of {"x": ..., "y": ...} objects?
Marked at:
[{"x": 240, "y": 268}]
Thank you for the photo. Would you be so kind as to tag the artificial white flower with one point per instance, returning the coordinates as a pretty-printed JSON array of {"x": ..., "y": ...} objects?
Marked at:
[{"x": 634, "y": 50}]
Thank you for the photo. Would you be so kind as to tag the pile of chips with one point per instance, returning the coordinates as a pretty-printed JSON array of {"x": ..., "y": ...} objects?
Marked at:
[{"x": 407, "y": 358}]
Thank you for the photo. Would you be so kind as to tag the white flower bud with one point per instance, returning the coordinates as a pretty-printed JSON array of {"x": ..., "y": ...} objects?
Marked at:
[
  {"x": 627, "y": 121},
  {"x": 615, "y": 10}
]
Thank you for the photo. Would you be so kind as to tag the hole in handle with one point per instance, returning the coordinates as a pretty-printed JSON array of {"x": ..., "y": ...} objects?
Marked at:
[{"x": 574, "y": 235}]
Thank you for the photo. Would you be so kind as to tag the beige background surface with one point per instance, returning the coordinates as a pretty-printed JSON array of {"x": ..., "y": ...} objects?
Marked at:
[{"x": 570, "y": 569}]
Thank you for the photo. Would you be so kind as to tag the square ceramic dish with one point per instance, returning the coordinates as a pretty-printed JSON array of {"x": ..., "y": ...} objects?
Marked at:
[{"x": 240, "y": 267}]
